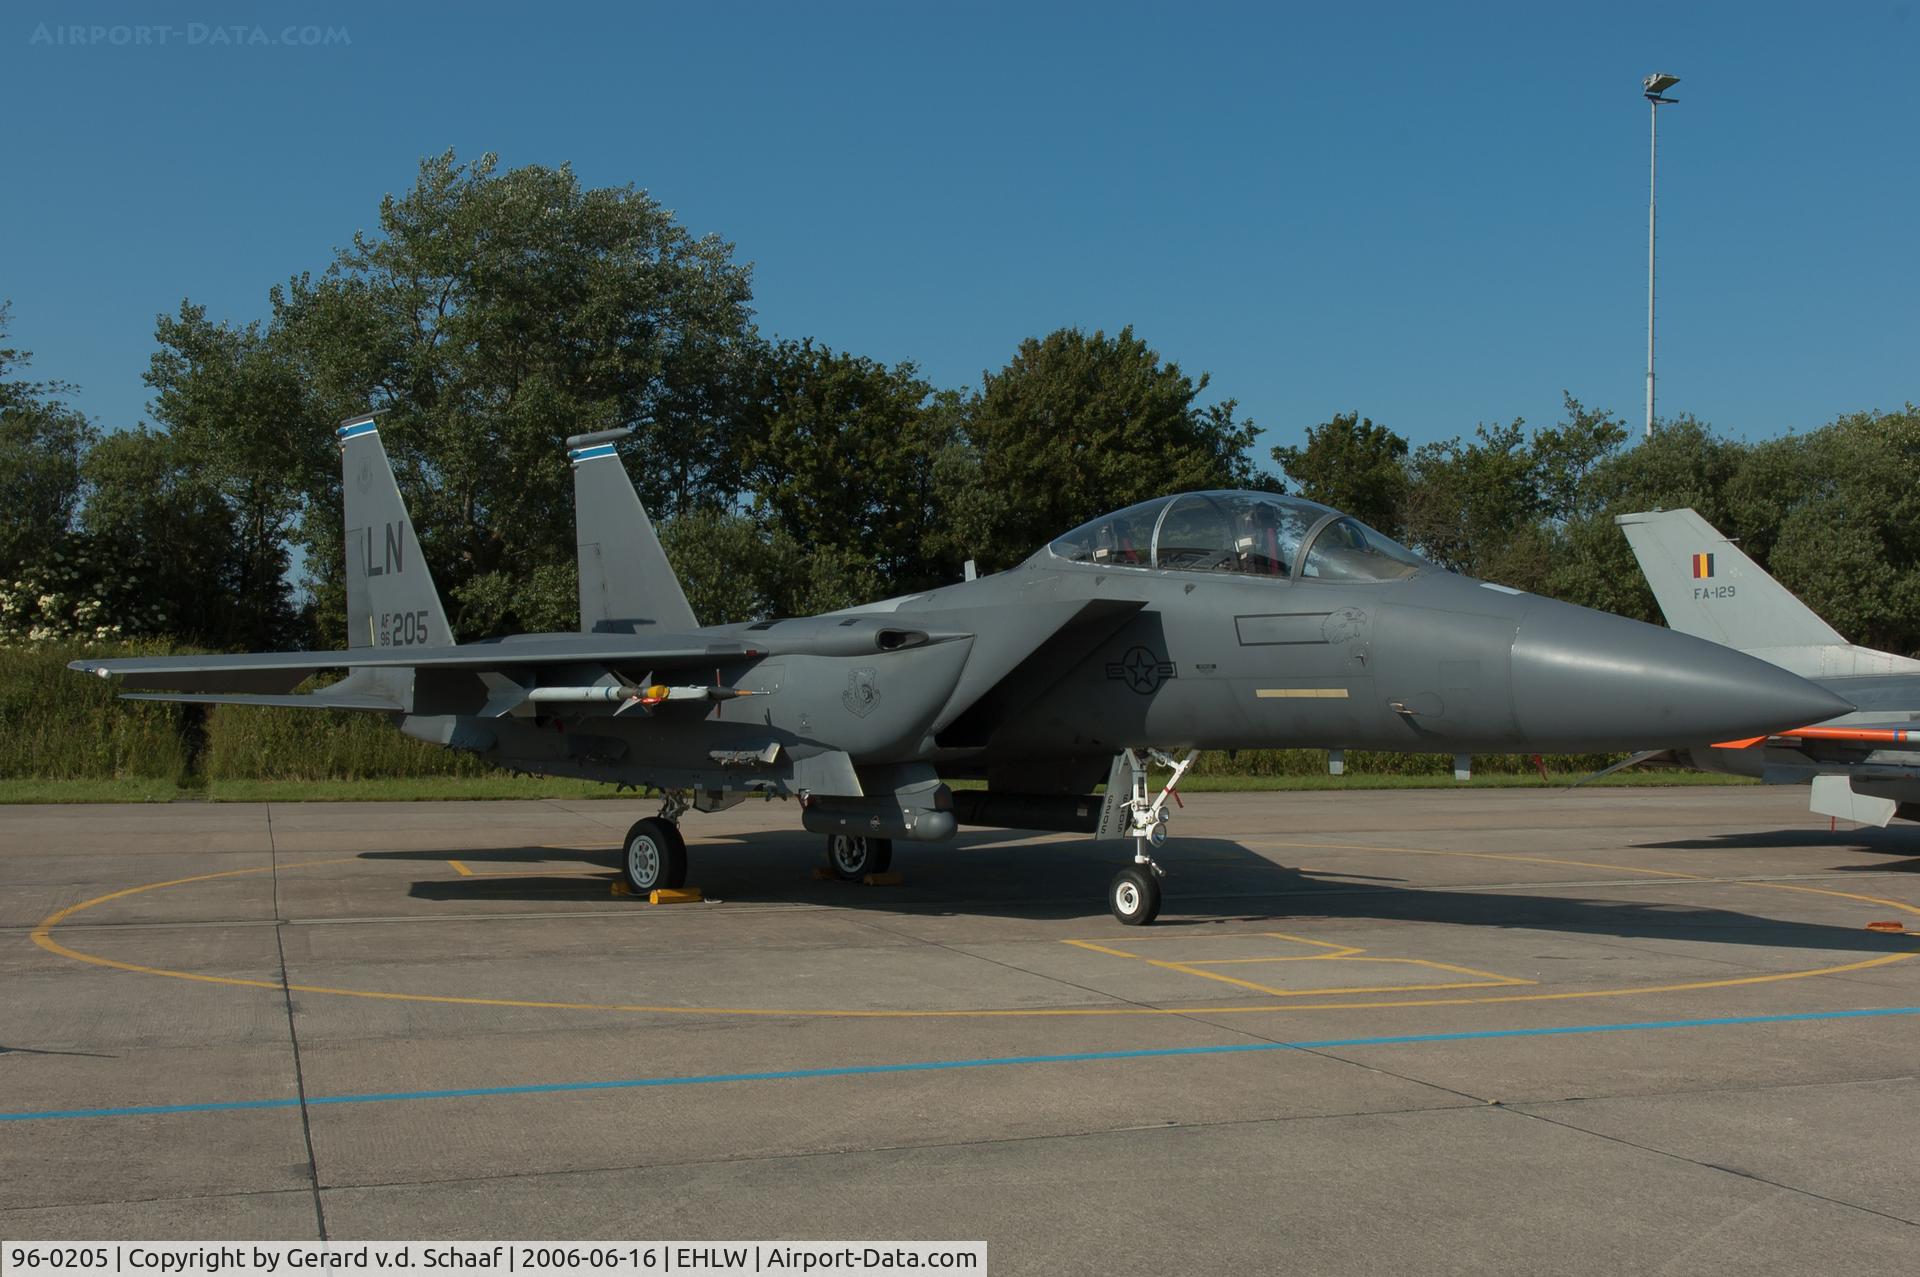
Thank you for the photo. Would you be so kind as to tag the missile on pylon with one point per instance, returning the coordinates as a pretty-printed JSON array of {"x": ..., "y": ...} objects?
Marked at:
[
  {"x": 659, "y": 693},
  {"x": 509, "y": 696}
]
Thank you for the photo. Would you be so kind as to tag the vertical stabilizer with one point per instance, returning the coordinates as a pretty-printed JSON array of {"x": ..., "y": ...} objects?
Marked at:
[
  {"x": 391, "y": 600},
  {"x": 1707, "y": 587},
  {"x": 625, "y": 580}
]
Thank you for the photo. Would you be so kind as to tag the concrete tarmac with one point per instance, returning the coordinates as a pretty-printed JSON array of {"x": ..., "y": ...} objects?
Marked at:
[{"x": 1416, "y": 1031}]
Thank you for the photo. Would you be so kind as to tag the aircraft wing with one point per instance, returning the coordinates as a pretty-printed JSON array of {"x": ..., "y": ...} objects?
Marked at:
[
  {"x": 1881, "y": 693},
  {"x": 304, "y": 700},
  {"x": 281, "y": 672},
  {"x": 276, "y": 674}
]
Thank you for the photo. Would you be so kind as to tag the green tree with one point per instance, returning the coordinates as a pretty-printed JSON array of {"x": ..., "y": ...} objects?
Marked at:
[
  {"x": 184, "y": 565},
  {"x": 1352, "y": 465},
  {"x": 243, "y": 426},
  {"x": 1078, "y": 424},
  {"x": 1566, "y": 457},
  {"x": 1685, "y": 463},
  {"x": 489, "y": 315},
  {"x": 736, "y": 567},
  {"x": 841, "y": 458},
  {"x": 43, "y": 443},
  {"x": 1835, "y": 516},
  {"x": 1501, "y": 504},
  {"x": 1473, "y": 504}
]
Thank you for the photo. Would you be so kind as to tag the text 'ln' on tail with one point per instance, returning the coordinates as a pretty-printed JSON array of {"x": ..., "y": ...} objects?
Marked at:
[{"x": 391, "y": 599}]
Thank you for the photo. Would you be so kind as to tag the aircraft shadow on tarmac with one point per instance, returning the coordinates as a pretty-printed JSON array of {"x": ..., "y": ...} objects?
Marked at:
[
  {"x": 1901, "y": 841},
  {"x": 1210, "y": 881}
]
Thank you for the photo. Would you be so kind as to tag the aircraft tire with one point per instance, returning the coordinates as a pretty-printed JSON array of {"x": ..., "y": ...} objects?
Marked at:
[
  {"x": 677, "y": 878},
  {"x": 1134, "y": 896},
  {"x": 653, "y": 856},
  {"x": 851, "y": 857}
]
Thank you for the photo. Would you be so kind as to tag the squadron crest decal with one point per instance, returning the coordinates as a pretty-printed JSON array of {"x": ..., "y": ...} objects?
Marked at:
[{"x": 862, "y": 693}]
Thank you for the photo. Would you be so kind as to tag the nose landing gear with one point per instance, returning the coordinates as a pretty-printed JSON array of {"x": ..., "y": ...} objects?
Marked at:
[{"x": 1134, "y": 895}]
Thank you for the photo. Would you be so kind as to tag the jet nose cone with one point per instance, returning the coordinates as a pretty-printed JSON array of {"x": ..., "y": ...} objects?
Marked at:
[{"x": 1585, "y": 680}]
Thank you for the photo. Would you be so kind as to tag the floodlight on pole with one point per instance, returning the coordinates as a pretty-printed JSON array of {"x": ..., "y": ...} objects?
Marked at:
[{"x": 1654, "y": 87}]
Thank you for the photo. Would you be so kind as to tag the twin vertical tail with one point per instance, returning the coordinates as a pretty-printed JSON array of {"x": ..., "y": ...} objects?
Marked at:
[
  {"x": 391, "y": 599},
  {"x": 625, "y": 579}
]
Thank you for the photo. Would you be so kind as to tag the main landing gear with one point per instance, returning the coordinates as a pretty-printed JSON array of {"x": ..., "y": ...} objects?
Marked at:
[
  {"x": 1134, "y": 894},
  {"x": 851, "y": 857},
  {"x": 655, "y": 854}
]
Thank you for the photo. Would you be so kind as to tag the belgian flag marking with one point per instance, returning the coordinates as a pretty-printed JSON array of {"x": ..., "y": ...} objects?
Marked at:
[{"x": 1702, "y": 566}]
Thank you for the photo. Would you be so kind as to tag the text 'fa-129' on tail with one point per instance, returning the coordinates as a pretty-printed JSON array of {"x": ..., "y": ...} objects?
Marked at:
[
  {"x": 1200, "y": 620},
  {"x": 1863, "y": 766}
]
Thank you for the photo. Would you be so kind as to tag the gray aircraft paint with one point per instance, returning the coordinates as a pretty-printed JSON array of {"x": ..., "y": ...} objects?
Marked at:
[
  {"x": 1707, "y": 586},
  {"x": 1738, "y": 604},
  {"x": 391, "y": 599},
  {"x": 625, "y": 581},
  {"x": 1034, "y": 678}
]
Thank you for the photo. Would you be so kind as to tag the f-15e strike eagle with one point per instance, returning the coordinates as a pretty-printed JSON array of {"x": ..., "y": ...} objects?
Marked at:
[{"x": 1203, "y": 620}]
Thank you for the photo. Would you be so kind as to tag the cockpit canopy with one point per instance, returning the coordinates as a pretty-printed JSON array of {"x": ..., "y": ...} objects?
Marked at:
[{"x": 1250, "y": 533}]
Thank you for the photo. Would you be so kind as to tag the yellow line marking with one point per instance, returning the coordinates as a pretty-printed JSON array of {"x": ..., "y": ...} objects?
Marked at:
[
  {"x": 1303, "y": 957},
  {"x": 1219, "y": 935},
  {"x": 526, "y": 870},
  {"x": 43, "y": 937},
  {"x": 1341, "y": 990},
  {"x": 1588, "y": 864},
  {"x": 1336, "y": 953},
  {"x": 1100, "y": 948},
  {"x": 1301, "y": 693},
  {"x": 1534, "y": 860}
]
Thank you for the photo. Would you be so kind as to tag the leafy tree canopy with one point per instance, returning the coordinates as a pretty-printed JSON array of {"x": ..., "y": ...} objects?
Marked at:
[
  {"x": 1078, "y": 424},
  {"x": 42, "y": 442},
  {"x": 841, "y": 455},
  {"x": 1352, "y": 465}
]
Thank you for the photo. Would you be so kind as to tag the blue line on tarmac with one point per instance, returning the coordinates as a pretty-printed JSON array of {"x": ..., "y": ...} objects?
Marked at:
[{"x": 936, "y": 1066}]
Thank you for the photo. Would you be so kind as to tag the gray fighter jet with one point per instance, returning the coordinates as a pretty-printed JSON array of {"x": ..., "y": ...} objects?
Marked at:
[
  {"x": 1863, "y": 766},
  {"x": 1204, "y": 620}
]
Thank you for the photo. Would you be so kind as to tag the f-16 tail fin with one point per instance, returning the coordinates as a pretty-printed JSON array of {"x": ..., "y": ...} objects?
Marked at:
[
  {"x": 625, "y": 579},
  {"x": 391, "y": 600},
  {"x": 1707, "y": 587}
]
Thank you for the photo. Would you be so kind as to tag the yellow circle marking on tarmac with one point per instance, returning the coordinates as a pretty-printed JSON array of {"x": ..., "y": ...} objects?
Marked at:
[{"x": 43, "y": 936}]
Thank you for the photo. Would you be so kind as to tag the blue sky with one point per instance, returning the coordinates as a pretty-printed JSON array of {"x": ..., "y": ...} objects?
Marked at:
[{"x": 1435, "y": 214}]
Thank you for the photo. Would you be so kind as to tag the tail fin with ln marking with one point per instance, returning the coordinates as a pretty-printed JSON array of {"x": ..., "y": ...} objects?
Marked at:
[{"x": 391, "y": 599}]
